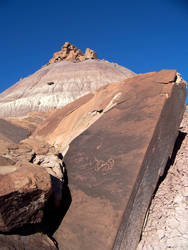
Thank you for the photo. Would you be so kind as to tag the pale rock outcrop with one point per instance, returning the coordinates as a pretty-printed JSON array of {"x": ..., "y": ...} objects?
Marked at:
[
  {"x": 90, "y": 54},
  {"x": 52, "y": 163},
  {"x": 70, "y": 53}
]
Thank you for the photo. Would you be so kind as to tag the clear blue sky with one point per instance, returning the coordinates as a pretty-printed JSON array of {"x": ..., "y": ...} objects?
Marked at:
[{"x": 142, "y": 35}]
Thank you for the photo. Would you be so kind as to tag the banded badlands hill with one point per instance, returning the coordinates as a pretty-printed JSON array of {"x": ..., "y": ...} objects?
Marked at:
[
  {"x": 69, "y": 75},
  {"x": 83, "y": 144}
]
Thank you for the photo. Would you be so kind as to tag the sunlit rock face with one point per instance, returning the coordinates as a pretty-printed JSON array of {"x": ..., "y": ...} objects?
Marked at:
[
  {"x": 59, "y": 83},
  {"x": 69, "y": 52}
]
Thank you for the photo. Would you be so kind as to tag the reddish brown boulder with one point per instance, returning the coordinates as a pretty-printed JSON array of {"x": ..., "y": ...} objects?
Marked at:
[
  {"x": 114, "y": 165},
  {"x": 24, "y": 190}
]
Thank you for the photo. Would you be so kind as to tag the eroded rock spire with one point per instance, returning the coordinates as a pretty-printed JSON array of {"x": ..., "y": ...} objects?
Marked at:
[{"x": 69, "y": 52}]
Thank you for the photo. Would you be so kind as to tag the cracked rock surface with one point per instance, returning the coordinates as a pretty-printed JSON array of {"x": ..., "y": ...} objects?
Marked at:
[{"x": 166, "y": 224}]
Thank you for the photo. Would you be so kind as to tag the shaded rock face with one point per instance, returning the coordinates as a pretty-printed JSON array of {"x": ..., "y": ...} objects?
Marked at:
[
  {"x": 70, "y": 53},
  {"x": 24, "y": 190},
  {"x": 58, "y": 84},
  {"x": 166, "y": 223}
]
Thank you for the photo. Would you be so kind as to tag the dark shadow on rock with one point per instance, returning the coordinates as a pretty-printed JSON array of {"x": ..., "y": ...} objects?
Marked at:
[
  {"x": 179, "y": 140},
  {"x": 171, "y": 160},
  {"x": 53, "y": 212}
]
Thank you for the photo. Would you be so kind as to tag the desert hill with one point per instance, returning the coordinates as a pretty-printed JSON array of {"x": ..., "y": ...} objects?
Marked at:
[
  {"x": 62, "y": 81},
  {"x": 83, "y": 145}
]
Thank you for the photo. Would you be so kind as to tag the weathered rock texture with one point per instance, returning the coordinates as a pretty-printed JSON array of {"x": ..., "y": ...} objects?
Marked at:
[
  {"x": 31, "y": 181},
  {"x": 166, "y": 224},
  {"x": 70, "y": 53},
  {"x": 31, "y": 189},
  {"x": 36, "y": 241},
  {"x": 29, "y": 122},
  {"x": 58, "y": 84},
  {"x": 65, "y": 124},
  {"x": 114, "y": 165},
  {"x": 24, "y": 190},
  {"x": 11, "y": 132}
]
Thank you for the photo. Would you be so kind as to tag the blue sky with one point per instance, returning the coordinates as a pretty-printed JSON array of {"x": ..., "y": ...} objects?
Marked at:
[{"x": 142, "y": 35}]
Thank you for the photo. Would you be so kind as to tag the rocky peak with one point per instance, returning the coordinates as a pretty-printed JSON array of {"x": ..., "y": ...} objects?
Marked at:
[
  {"x": 90, "y": 54},
  {"x": 69, "y": 52}
]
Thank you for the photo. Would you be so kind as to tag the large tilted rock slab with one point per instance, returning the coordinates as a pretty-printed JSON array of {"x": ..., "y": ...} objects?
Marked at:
[
  {"x": 113, "y": 166},
  {"x": 24, "y": 191},
  {"x": 58, "y": 84}
]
